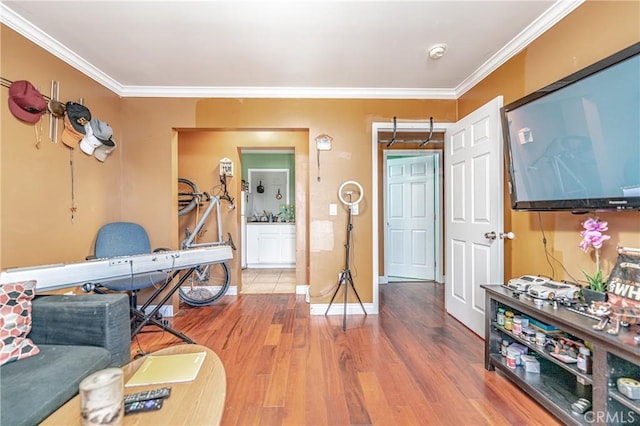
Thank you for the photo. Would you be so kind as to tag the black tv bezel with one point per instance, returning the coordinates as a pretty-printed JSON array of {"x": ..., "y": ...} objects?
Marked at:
[{"x": 573, "y": 205}]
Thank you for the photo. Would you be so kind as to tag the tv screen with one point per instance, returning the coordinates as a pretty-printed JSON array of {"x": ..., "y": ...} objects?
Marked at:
[{"x": 575, "y": 144}]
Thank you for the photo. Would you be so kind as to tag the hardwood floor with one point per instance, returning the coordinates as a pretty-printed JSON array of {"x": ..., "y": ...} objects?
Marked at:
[{"x": 410, "y": 365}]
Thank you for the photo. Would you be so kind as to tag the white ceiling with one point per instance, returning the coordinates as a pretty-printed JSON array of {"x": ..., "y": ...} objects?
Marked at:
[{"x": 324, "y": 49}]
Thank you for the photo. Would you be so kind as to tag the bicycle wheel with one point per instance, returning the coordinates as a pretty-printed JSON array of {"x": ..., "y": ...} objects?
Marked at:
[
  {"x": 188, "y": 196},
  {"x": 206, "y": 285}
]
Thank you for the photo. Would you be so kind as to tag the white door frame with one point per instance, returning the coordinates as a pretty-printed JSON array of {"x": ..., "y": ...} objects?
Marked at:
[
  {"x": 438, "y": 197},
  {"x": 386, "y": 127}
]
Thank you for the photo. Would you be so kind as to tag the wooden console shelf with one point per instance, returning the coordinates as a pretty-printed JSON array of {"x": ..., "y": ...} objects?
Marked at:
[{"x": 558, "y": 384}]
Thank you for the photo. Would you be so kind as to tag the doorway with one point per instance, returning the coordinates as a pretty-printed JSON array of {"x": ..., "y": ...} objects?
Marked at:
[
  {"x": 412, "y": 199},
  {"x": 268, "y": 221},
  {"x": 198, "y": 154},
  {"x": 380, "y": 132}
]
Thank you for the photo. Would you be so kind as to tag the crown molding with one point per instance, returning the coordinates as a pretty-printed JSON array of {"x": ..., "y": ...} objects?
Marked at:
[
  {"x": 285, "y": 92},
  {"x": 25, "y": 28},
  {"x": 549, "y": 18}
]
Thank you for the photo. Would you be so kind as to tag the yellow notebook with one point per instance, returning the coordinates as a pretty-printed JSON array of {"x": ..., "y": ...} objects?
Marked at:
[{"x": 158, "y": 369}]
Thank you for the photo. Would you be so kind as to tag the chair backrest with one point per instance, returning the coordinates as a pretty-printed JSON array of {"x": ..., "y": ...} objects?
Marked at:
[{"x": 122, "y": 239}]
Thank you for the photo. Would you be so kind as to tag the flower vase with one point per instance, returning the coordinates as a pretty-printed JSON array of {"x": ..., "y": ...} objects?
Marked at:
[{"x": 593, "y": 296}]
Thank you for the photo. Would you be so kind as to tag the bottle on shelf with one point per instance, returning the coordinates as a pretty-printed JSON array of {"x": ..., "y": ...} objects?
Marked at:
[
  {"x": 584, "y": 363},
  {"x": 508, "y": 320}
]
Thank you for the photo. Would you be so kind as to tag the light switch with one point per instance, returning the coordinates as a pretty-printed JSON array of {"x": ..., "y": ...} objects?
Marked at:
[
  {"x": 355, "y": 210},
  {"x": 333, "y": 209}
]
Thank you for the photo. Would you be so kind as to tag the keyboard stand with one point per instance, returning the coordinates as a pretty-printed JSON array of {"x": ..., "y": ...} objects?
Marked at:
[{"x": 140, "y": 319}]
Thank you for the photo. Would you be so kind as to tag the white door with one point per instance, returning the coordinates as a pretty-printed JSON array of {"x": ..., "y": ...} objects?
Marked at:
[
  {"x": 410, "y": 248},
  {"x": 474, "y": 213}
]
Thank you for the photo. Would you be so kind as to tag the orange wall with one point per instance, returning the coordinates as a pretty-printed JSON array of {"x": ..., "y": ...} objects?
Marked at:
[
  {"x": 143, "y": 188},
  {"x": 138, "y": 181},
  {"x": 199, "y": 152},
  {"x": 593, "y": 31},
  {"x": 349, "y": 122},
  {"x": 36, "y": 226}
]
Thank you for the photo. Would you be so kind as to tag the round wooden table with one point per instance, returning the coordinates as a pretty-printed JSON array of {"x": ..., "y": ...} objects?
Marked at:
[{"x": 200, "y": 402}]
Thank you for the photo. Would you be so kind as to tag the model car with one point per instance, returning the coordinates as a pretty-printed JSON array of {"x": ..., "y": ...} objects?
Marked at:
[
  {"x": 552, "y": 289},
  {"x": 524, "y": 282}
]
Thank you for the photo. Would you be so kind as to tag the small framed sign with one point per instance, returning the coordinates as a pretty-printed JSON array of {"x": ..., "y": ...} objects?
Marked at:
[{"x": 226, "y": 167}]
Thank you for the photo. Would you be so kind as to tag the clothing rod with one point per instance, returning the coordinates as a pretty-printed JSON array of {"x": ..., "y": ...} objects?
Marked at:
[
  {"x": 421, "y": 142},
  {"x": 7, "y": 83},
  {"x": 410, "y": 141}
]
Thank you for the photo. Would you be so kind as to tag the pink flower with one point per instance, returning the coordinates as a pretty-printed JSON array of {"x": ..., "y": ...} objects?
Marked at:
[
  {"x": 592, "y": 239},
  {"x": 594, "y": 224},
  {"x": 593, "y": 236}
]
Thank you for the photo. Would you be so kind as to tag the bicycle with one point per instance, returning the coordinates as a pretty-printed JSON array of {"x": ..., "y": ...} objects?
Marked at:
[{"x": 208, "y": 282}]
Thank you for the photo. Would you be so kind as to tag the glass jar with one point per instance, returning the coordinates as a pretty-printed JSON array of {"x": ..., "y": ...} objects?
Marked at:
[
  {"x": 500, "y": 317},
  {"x": 508, "y": 320},
  {"x": 529, "y": 334},
  {"x": 504, "y": 347},
  {"x": 517, "y": 325},
  {"x": 585, "y": 362}
]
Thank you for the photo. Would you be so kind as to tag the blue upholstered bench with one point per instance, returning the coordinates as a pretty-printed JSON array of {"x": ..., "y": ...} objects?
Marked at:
[{"x": 77, "y": 335}]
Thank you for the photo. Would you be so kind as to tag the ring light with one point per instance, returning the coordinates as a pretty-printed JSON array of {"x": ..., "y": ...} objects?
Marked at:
[{"x": 360, "y": 190}]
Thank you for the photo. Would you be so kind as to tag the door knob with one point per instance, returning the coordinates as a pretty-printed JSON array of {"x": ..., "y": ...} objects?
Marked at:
[
  {"x": 508, "y": 235},
  {"x": 490, "y": 235}
]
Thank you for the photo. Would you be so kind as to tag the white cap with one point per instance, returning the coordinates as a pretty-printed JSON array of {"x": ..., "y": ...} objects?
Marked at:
[
  {"x": 102, "y": 152},
  {"x": 89, "y": 142}
]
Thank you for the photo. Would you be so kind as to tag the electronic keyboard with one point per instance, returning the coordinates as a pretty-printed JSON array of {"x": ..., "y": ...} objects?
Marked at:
[{"x": 62, "y": 275}]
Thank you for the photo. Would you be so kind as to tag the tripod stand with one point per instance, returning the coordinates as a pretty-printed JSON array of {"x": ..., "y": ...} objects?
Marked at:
[{"x": 346, "y": 279}]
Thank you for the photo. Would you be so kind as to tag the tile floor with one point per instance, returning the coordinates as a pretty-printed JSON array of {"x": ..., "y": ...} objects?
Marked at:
[{"x": 261, "y": 281}]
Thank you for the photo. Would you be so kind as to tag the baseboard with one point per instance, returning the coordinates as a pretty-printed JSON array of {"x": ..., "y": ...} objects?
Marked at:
[
  {"x": 231, "y": 291},
  {"x": 302, "y": 289},
  {"x": 166, "y": 311},
  {"x": 338, "y": 309}
]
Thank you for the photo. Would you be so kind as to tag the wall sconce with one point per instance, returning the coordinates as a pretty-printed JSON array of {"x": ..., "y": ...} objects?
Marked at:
[
  {"x": 226, "y": 167},
  {"x": 323, "y": 143}
]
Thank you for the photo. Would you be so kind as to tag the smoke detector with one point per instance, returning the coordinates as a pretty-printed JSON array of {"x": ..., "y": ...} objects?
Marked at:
[{"x": 437, "y": 51}]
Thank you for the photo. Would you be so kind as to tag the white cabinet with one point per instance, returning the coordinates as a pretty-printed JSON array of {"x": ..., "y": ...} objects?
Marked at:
[{"x": 271, "y": 245}]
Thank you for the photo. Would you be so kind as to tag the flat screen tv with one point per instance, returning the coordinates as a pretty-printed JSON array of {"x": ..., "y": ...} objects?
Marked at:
[{"x": 575, "y": 144}]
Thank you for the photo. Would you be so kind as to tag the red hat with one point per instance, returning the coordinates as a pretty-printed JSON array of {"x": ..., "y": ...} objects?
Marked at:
[{"x": 25, "y": 102}]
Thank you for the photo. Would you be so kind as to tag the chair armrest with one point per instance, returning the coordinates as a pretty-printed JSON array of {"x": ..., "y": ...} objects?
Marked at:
[{"x": 92, "y": 320}]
